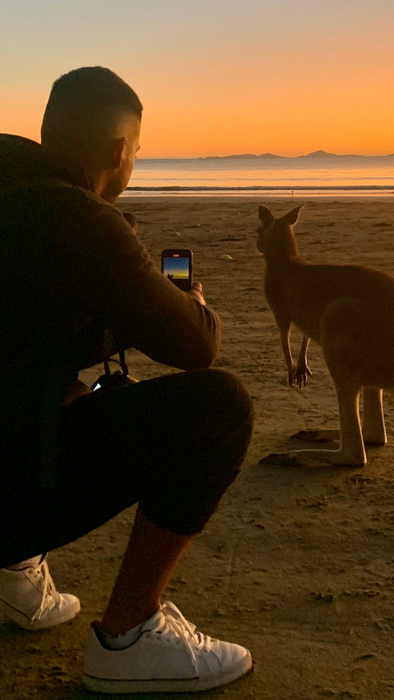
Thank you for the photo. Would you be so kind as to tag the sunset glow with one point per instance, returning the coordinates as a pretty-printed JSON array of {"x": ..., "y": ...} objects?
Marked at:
[{"x": 215, "y": 76}]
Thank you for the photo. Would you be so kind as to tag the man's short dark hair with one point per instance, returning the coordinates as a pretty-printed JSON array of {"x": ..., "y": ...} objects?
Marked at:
[{"x": 85, "y": 100}]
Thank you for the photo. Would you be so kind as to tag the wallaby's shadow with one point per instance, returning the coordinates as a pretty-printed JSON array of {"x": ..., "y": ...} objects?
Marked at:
[{"x": 306, "y": 440}]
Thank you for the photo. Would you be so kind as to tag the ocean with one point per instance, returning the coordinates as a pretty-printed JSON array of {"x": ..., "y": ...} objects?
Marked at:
[{"x": 340, "y": 175}]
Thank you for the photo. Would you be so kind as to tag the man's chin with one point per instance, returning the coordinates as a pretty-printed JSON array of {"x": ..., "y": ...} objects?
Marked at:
[{"x": 110, "y": 196}]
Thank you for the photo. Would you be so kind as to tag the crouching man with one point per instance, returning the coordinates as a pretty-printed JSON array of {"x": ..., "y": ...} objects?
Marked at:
[{"x": 72, "y": 272}]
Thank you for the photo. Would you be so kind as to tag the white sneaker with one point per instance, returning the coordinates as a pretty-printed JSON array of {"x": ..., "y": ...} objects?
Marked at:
[
  {"x": 168, "y": 656},
  {"x": 29, "y": 598}
]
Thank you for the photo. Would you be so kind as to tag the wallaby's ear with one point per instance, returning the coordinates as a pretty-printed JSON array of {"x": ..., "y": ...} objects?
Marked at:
[
  {"x": 265, "y": 216},
  {"x": 292, "y": 216}
]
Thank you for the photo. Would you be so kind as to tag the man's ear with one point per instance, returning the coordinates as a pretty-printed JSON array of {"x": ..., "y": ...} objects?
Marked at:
[
  {"x": 265, "y": 216},
  {"x": 118, "y": 152},
  {"x": 292, "y": 216}
]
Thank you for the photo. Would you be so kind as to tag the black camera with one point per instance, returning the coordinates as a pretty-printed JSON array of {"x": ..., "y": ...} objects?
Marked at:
[{"x": 119, "y": 378}]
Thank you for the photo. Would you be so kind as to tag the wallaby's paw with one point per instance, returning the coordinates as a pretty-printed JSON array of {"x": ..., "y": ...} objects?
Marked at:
[
  {"x": 292, "y": 375},
  {"x": 316, "y": 435},
  {"x": 282, "y": 459},
  {"x": 302, "y": 373}
]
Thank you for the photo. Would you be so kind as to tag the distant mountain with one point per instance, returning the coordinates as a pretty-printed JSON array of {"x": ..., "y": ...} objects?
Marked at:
[
  {"x": 269, "y": 155},
  {"x": 243, "y": 156},
  {"x": 314, "y": 154},
  {"x": 319, "y": 154},
  {"x": 324, "y": 154}
]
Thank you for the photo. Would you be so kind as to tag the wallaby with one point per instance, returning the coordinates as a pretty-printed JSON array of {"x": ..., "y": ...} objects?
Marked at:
[{"x": 349, "y": 311}]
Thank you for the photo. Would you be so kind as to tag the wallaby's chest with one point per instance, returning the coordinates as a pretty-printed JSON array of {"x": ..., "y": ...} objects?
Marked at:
[{"x": 293, "y": 299}]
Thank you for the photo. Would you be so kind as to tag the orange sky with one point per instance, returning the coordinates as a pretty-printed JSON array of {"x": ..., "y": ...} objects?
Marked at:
[{"x": 216, "y": 76}]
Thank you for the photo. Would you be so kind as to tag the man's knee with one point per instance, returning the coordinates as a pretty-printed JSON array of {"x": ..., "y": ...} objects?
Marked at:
[
  {"x": 213, "y": 453},
  {"x": 229, "y": 401},
  {"x": 224, "y": 387}
]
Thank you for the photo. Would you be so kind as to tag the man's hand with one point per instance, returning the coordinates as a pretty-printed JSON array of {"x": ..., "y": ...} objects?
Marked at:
[
  {"x": 196, "y": 292},
  {"x": 131, "y": 220},
  {"x": 79, "y": 389}
]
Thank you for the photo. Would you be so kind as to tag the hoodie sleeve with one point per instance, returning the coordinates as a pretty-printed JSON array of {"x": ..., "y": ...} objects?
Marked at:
[{"x": 143, "y": 308}]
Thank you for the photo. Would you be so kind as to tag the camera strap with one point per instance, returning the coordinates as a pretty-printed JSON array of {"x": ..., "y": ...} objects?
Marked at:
[
  {"x": 120, "y": 376},
  {"x": 121, "y": 362}
]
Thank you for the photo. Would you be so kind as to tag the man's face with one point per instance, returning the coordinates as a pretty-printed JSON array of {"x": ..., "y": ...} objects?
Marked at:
[
  {"x": 131, "y": 148},
  {"x": 120, "y": 177}
]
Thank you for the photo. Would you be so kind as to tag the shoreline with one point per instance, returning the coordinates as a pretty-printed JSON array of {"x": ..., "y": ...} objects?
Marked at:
[
  {"x": 264, "y": 188},
  {"x": 243, "y": 193},
  {"x": 288, "y": 195}
]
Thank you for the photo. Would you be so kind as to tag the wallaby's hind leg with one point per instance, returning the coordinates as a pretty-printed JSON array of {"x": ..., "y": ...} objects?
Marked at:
[
  {"x": 341, "y": 342},
  {"x": 374, "y": 430},
  {"x": 351, "y": 449},
  {"x": 351, "y": 446}
]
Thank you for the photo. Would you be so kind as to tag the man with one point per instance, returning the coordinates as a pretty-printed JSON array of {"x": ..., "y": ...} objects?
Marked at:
[{"x": 73, "y": 274}]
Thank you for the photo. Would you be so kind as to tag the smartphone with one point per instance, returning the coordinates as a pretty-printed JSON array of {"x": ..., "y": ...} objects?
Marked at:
[{"x": 177, "y": 265}]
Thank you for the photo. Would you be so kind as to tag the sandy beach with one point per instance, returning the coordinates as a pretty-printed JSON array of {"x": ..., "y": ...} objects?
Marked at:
[{"x": 297, "y": 563}]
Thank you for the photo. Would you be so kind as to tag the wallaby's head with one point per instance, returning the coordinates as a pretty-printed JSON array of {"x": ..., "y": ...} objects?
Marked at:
[{"x": 273, "y": 230}]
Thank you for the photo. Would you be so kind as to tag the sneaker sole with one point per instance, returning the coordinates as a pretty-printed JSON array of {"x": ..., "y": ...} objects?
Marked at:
[
  {"x": 23, "y": 621},
  {"x": 182, "y": 685}
]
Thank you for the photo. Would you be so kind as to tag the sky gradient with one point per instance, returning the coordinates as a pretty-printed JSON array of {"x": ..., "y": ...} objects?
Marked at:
[{"x": 215, "y": 76}]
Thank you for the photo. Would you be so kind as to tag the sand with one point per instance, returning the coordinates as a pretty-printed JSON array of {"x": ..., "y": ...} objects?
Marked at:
[{"x": 297, "y": 564}]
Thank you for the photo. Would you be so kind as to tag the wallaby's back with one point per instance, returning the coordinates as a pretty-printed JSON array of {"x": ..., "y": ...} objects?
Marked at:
[{"x": 307, "y": 289}]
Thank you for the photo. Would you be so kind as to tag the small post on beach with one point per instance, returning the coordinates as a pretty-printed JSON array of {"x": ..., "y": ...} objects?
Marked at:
[{"x": 292, "y": 195}]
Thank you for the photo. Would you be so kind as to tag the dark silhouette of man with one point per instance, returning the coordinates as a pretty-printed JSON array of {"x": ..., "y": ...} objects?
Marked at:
[{"x": 76, "y": 285}]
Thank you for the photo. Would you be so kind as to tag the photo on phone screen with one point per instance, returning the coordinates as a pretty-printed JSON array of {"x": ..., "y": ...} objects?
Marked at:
[{"x": 176, "y": 264}]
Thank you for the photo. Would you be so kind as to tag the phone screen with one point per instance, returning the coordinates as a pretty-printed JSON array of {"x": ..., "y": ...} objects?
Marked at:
[{"x": 177, "y": 266}]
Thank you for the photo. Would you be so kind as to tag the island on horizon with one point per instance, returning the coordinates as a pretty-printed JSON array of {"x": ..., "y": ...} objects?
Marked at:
[
  {"x": 242, "y": 156},
  {"x": 314, "y": 154}
]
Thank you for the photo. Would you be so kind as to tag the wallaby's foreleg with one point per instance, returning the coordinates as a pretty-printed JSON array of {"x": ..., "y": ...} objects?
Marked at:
[
  {"x": 285, "y": 340},
  {"x": 302, "y": 369},
  {"x": 374, "y": 430},
  {"x": 300, "y": 372}
]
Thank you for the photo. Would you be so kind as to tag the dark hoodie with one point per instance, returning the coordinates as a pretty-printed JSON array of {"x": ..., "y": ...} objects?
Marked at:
[{"x": 71, "y": 269}]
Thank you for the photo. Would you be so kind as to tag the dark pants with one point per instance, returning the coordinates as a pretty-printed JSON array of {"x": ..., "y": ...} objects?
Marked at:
[{"x": 174, "y": 444}]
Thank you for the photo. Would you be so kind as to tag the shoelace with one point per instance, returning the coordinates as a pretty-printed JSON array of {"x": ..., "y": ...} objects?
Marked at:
[
  {"x": 173, "y": 622},
  {"x": 48, "y": 589}
]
